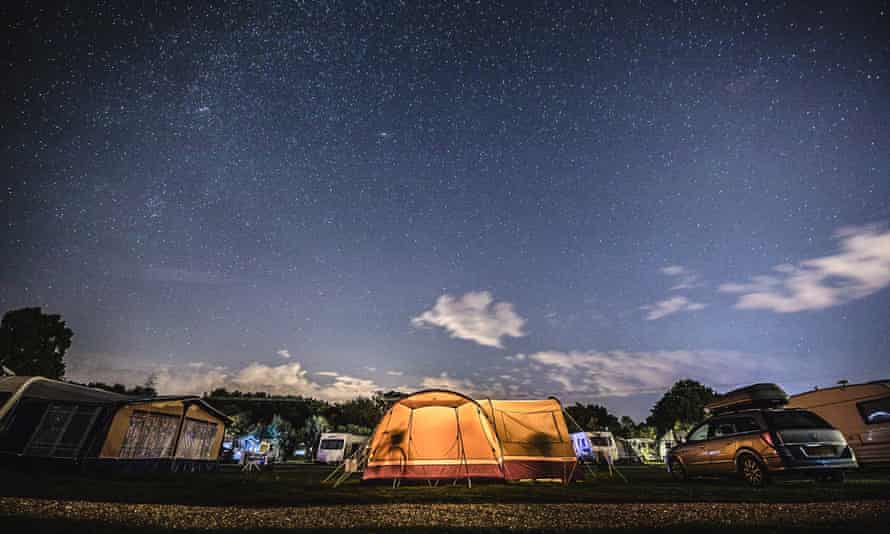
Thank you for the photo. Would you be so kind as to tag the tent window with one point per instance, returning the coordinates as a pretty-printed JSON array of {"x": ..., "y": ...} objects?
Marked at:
[
  {"x": 196, "y": 439},
  {"x": 62, "y": 431},
  {"x": 150, "y": 435}
]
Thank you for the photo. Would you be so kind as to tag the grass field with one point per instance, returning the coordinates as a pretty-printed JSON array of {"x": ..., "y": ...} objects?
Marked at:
[
  {"x": 302, "y": 486},
  {"x": 299, "y": 488}
]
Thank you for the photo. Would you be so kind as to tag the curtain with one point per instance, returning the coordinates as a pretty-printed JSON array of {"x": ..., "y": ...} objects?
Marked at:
[
  {"x": 150, "y": 435},
  {"x": 196, "y": 440}
]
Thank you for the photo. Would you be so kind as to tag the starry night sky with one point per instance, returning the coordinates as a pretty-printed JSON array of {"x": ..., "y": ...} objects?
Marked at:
[{"x": 561, "y": 198}]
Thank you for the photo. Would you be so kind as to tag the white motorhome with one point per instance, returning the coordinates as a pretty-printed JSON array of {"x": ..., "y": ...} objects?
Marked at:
[
  {"x": 603, "y": 447},
  {"x": 334, "y": 447}
]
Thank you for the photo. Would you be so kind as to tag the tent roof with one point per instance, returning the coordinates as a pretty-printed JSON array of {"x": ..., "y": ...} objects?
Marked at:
[
  {"x": 11, "y": 384},
  {"x": 188, "y": 399},
  {"x": 435, "y": 397},
  {"x": 38, "y": 387},
  {"x": 525, "y": 406}
]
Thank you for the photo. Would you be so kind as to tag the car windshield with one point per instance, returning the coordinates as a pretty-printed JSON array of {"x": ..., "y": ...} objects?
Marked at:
[
  {"x": 796, "y": 419},
  {"x": 597, "y": 441},
  {"x": 331, "y": 444}
]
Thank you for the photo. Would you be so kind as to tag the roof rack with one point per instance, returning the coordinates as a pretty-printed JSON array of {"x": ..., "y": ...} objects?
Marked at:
[{"x": 751, "y": 397}]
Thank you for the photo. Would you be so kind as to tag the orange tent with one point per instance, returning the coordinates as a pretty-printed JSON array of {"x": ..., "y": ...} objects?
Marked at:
[
  {"x": 534, "y": 439},
  {"x": 434, "y": 434}
]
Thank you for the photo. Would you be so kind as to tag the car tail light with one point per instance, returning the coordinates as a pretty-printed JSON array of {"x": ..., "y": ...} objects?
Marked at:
[{"x": 768, "y": 438}]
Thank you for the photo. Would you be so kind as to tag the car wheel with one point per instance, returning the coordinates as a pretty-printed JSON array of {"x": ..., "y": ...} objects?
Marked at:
[
  {"x": 752, "y": 471},
  {"x": 678, "y": 472}
]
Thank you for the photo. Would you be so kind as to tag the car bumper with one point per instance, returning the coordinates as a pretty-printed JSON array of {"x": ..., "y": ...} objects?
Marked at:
[{"x": 785, "y": 461}]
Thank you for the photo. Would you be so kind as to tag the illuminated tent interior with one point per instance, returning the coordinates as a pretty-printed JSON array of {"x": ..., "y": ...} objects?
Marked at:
[
  {"x": 43, "y": 420},
  {"x": 434, "y": 435},
  {"x": 438, "y": 434}
]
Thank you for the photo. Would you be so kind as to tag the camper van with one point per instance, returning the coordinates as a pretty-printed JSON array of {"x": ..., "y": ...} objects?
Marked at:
[
  {"x": 333, "y": 448},
  {"x": 636, "y": 450},
  {"x": 595, "y": 446},
  {"x": 860, "y": 411}
]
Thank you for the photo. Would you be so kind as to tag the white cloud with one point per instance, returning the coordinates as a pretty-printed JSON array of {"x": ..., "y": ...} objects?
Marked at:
[
  {"x": 347, "y": 387},
  {"x": 395, "y": 373},
  {"x": 197, "y": 378},
  {"x": 673, "y": 270},
  {"x": 859, "y": 269},
  {"x": 443, "y": 381},
  {"x": 663, "y": 308},
  {"x": 683, "y": 278},
  {"x": 463, "y": 385},
  {"x": 284, "y": 353},
  {"x": 620, "y": 373},
  {"x": 288, "y": 378},
  {"x": 474, "y": 317}
]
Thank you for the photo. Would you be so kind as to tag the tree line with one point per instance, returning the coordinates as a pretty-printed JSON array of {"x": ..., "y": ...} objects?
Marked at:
[{"x": 34, "y": 343}]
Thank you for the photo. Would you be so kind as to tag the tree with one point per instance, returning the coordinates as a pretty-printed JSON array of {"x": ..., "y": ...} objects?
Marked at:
[
  {"x": 594, "y": 417},
  {"x": 34, "y": 343},
  {"x": 682, "y": 406},
  {"x": 628, "y": 427},
  {"x": 312, "y": 431},
  {"x": 360, "y": 412}
]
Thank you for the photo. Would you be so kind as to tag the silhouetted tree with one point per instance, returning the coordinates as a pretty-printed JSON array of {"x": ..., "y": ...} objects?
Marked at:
[
  {"x": 594, "y": 417},
  {"x": 683, "y": 405},
  {"x": 313, "y": 429},
  {"x": 360, "y": 412},
  {"x": 34, "y": 343}
]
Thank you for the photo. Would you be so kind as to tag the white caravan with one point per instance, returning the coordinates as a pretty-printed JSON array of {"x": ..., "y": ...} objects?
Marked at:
[
  {"x": 334, "y": 447},
  {"x": 595, "y": 446}
]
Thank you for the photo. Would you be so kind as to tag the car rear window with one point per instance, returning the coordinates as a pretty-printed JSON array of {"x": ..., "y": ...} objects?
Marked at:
[
  {"x": 795, "y": 419},
  {"x": 875, "y": 411}
]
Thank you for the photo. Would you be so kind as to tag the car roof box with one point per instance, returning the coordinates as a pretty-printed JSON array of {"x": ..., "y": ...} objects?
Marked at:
[{"x": 750, "y": 397}]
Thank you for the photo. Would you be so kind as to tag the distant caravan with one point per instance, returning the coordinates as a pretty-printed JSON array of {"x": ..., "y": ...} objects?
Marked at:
[
  {"x": 333, "y": 447},
  {"x": 860, "y": 411}
]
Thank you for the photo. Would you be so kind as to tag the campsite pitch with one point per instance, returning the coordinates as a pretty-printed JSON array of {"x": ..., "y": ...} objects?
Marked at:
[{"x": 295, "y": 499}]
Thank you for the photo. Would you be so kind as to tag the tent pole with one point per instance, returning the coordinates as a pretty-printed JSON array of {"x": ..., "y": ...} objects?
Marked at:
[
  {"x": 404, "y": 461},
  {"x": 463, "y": 451},
  {"x": 185, "y": 409},
  {"x": 494, "y": 425}
]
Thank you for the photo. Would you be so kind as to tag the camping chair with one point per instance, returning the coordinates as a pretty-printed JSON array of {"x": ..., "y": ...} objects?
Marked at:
[{"x": 252, "y": 462}]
